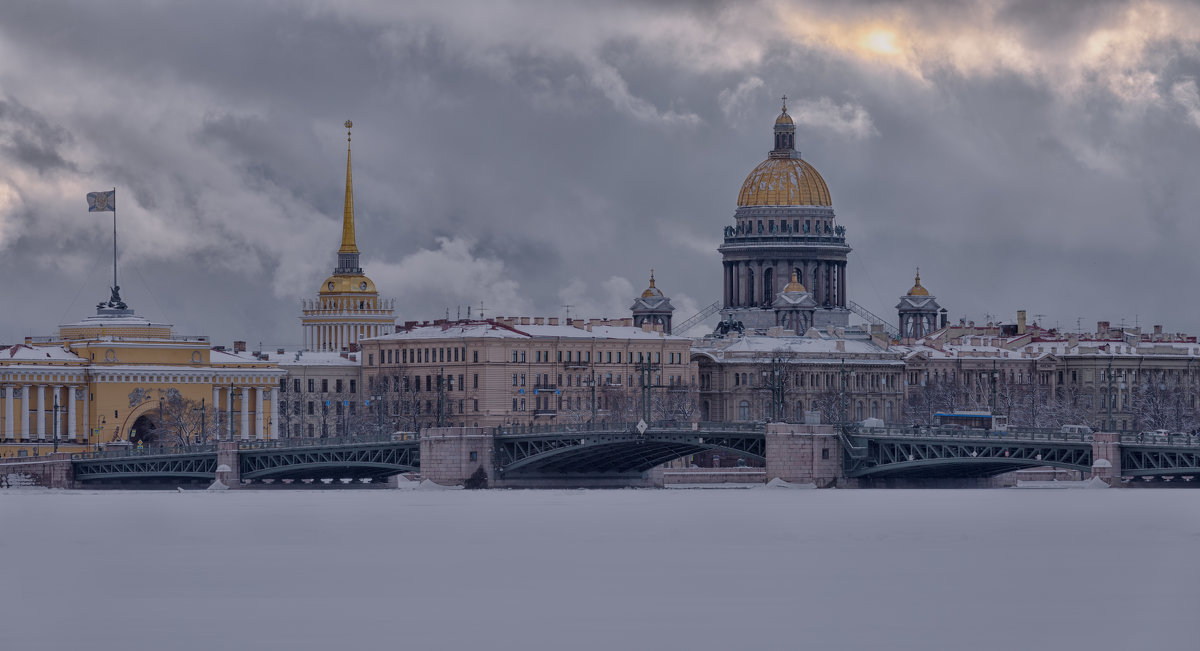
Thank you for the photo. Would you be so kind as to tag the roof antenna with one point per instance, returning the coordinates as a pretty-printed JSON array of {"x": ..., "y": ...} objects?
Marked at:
[
  {"x": 468, "y": 312},
  {"x": 481, "y": 310},
  {"x": 568, "y": 308}
]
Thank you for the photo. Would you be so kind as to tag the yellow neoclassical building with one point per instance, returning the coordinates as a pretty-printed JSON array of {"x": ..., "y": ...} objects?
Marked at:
[{"x": 109, "y": 377}]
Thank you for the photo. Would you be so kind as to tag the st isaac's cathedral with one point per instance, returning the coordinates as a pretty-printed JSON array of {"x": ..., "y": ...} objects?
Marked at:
[{"x": 785, "y": 236}]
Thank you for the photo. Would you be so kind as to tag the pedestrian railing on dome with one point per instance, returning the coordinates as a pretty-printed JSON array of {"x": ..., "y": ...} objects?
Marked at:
[{"x": 329, "y": 441}]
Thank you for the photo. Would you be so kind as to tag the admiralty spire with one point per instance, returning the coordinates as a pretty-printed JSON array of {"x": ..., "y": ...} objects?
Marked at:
[{"x": 347, "y": 308}]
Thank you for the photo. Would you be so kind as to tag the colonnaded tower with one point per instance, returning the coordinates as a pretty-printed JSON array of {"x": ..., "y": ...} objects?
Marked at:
[
  {"x": 347, "y": 308},
  {"x": 784, "y": 229}
]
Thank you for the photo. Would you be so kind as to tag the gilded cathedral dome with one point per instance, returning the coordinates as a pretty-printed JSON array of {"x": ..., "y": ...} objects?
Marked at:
[{"x": 784, "y": 182}]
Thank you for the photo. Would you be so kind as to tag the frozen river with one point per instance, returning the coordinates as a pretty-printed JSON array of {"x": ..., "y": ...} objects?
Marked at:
[{"x": 625, "y": 569}]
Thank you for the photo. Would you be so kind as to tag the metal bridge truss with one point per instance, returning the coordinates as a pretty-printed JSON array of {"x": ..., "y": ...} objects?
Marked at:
[
  {"x": 1147, "y": 461},
  {"x": 614, "y": 453},
  {"x": 201, "y": 465},
  {"x": 373, "y": 460},
  {"x": 939, "y": 457}
]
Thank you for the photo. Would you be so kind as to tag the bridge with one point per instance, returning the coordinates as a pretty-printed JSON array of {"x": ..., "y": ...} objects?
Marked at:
[
  {"x": 916, "y": 453},
  {"x": 846, "y": 455},
  {"x": 617, "y": 449}
]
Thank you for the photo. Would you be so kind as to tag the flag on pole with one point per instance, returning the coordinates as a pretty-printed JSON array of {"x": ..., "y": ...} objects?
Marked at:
[{"x": 102, "y": 201}]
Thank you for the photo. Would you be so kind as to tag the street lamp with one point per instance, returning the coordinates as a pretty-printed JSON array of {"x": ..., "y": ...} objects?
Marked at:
[{"x": 56, "y": 421}]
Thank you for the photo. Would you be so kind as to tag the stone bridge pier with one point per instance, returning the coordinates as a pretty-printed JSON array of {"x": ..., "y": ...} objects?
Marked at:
[
  {"x": 48, "y": 471},
  {"x": 450, "y": 455},
  {"x": 1106, "y": 457},
  {"x": 805, "y": 454}
]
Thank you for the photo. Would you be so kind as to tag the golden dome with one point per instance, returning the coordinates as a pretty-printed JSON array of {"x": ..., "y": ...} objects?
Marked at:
[
  {"x": 652, "y": 291},
  {"x": 795, "y": 285},
  {"x": 917, "y": 289},
  {"x": 784, "y": 182},
  {"x": 347, "y": 284},
  {"x": 783, "y": 118}
]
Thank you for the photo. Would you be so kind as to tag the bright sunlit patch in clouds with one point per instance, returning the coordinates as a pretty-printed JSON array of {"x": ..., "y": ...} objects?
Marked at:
[{"x": 882, "y": 42}]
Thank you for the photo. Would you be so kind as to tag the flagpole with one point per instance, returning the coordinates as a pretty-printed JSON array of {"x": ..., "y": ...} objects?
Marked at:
[{"x": 114, "y": 207}]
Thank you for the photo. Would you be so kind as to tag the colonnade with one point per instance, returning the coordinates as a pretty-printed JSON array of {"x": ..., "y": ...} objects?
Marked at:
[
  {"x": 234, "y": 410},
  {"x": 333, "y": 337},
  {"x": 41, "y": 418},
  {"x": 746, "y": 281}
]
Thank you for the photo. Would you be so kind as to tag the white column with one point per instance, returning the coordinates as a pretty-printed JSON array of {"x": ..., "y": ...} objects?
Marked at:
[
  {"x": 258, "y": 413},
  {"x": 41, "y": 414},
  {"x": 274, "y": 413},
  {"x": 8, "y": 412},
  {"x": 25, "y": 412},
  {"x": 87, "y": 423},
  {"x": 56, "y": 424},
  {"x": 71, "y": 413},
  {"x": 228, "y": 412},
  {"x": 245, "y": 413},
  {"x": 216, "y": 400}
]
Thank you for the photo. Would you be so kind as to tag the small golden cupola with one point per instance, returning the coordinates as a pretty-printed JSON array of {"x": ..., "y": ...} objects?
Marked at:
[
  {"x": 795, "y": 285},
  {"x": 917, "y": 289},
  {"x": 652, "y": 290},
  {"x": 653, "y": 308}
]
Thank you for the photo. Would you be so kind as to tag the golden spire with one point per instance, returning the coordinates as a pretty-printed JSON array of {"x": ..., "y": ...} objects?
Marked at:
[
  {"x": 348, "y": 245},
  {"x": 652, "y": 276}
]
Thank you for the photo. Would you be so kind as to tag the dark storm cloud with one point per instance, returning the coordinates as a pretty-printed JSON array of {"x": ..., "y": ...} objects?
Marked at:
[{"x": 527, "y": 155}]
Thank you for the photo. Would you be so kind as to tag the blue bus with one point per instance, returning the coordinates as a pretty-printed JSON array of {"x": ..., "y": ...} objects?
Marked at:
[{"x": 984, "y": 420}]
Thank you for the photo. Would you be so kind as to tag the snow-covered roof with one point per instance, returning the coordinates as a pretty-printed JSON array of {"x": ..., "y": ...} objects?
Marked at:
[
  {"x": 23, "y": 353},
  {"x": 229, "y": 357},
  {"x": 310, "y": 358},
  {"x": 489, "y": 329},
  {"x": 824, "y": 348}
]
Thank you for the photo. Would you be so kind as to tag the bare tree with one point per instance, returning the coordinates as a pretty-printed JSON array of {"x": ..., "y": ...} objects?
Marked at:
[
  {"x": 186, "y": 422},
  {"x": 679, "y": 403}
]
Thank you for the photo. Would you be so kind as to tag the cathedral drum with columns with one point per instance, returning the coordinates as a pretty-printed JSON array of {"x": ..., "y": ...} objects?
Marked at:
[{"x": 784, "y": 231}]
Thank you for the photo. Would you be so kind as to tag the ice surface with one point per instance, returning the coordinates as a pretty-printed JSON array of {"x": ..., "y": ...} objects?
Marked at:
[{"x": 620, "y": 569}]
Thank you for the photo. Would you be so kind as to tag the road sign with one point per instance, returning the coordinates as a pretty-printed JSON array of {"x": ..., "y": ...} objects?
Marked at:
[{"x": 642, "y": 426}]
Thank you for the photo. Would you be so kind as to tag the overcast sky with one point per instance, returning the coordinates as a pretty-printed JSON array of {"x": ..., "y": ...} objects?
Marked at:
[{"x": 527, "y": 155}]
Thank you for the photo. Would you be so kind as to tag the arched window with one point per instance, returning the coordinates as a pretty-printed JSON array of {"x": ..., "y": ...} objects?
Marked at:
[
  {"x": 859, "y": 411},
  {"x": 704, "y": 414},
  {"x": 744, "y": 410},
  {"x": 874, "y": 409},
  {"x": 799, "y": 411},
  {"x": 888, "y": 411}
]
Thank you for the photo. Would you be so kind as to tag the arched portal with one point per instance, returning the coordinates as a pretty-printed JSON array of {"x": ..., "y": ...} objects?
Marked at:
[{"x": 146, "y": 431}]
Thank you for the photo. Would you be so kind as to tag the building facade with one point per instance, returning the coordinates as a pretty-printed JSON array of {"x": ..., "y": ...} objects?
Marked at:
[
  {"x": 321, "y": 395},
  {"x": 527, "y": 371},
  {"x": 347, "y": 308},
  {"x": 116, "y": 377}
]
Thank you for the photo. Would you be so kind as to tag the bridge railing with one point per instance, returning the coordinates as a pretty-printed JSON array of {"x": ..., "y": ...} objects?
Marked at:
[
  {"x": 326, "y": 441},
  {"x": 1161, "y": 439},
  {"x": 675, "y": 426},
  {"x": 122, "y": 451},
  {"x": 1012, "y": 434}
]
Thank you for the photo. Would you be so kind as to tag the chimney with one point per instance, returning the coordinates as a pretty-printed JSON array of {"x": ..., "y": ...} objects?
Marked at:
[
  {"x": 353, "y": 347},
  {"x": 345, "y": 355},
  {"x": 1020, "y": 322},
  {"x": 239, "y": 346},
  {"x": 552, "y": 321},
  {"x": 1102, "y": 328},
  {"x": 219, "y": 349},
  {"x": 279, "y": 351},
  {"x": 537, "y": 320},
  {"x": 524, "y": 320},
  {"x": 1158, "y": 330}
]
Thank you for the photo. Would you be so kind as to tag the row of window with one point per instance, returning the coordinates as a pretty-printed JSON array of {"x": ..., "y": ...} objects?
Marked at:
[
  {"x": 404, "y": 383},
  {"x": 459, "y": 354},
  {"x": 312, "y": 384}
]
